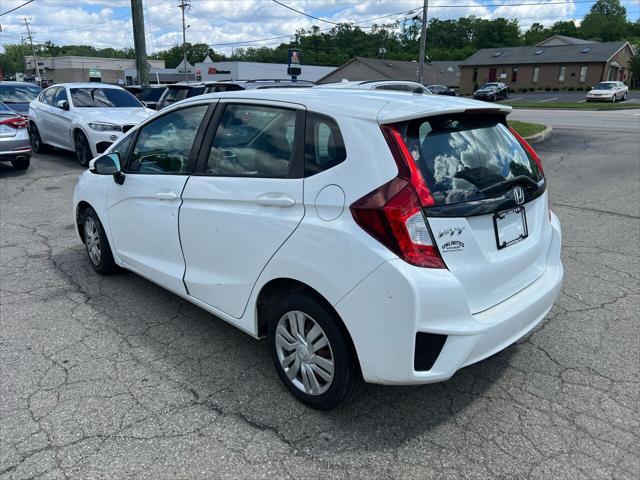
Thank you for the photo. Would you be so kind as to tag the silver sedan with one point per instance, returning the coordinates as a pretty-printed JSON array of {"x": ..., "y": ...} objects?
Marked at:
[{"x": 15, "y": 146}]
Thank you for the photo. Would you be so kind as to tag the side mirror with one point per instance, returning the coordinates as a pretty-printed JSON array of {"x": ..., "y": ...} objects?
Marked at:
[{"x": 63, "y": 104}]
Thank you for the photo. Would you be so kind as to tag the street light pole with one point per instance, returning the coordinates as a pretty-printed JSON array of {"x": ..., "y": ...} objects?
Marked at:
[
  {"x": 423, "y": 41},
  {"x": 184, "y": 4}
]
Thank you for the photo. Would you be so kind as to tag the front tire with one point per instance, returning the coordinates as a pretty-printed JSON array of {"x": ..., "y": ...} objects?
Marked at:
[
  {"x": 83, "y": 150},
  {"x": 21, "y": 164},
  {"x": 96, "y": 243},
  {"x": 311, "y": 352},
  {"x": 624, "y": 97}
]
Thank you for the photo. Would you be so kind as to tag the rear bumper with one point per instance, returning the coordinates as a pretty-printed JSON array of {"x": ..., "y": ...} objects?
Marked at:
[{"x": 386, "y": 310}]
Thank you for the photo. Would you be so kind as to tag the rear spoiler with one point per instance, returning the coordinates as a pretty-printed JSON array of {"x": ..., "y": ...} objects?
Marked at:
[{"x": 393, "y": 112}]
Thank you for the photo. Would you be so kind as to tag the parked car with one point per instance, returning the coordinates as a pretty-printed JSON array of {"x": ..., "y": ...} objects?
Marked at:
[
  {"x": 381, "y": 235},
  {"x": 441, "y": 90},
  {"x": 179, "y": 91},
  {"x": 492, "y": 92},
  {"x": 395, "y": 85},
  {"x": 14, "y": 138},
  {"x": 83, "y": 117},
  {"x": 149, "y": 96},
  {"x": 608, "y": 92},
  {"x": 17, "y": 95}
]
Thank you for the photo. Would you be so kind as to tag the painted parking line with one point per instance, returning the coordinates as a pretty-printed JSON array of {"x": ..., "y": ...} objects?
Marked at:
[
  {"x": 517, "y": 98},
  {"x": 630, "y": 100},
  {"x": 582, "y": 101},
  {"x": 547, "y": 100}
]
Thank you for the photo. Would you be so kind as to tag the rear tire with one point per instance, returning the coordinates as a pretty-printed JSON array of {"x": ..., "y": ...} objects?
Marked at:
[
  {"x": 97, "y": 244},
  {"x": 624, "y": 97},
  {"x": 21, "y": 164},
  {"x": 36, "y": 140},
  {"x": 83, "y": 150},
  {"x": 318, "y": 366}
]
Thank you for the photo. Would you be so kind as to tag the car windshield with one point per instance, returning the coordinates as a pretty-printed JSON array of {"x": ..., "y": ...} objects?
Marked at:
[
  {"x": 18, "y": 93},
  {"x": 604, "y": 86},
  {"x": 489, "y": 86},
  {"x": 469, "y": 157},
  {"x": 103, "y": 97}
]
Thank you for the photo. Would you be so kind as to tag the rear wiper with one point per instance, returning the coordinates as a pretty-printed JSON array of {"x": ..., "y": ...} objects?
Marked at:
[{"x": 520, "y": 179}]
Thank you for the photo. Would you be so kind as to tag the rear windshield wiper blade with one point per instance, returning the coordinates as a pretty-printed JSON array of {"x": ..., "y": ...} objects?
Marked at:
[{"x": 505, "y": 184}]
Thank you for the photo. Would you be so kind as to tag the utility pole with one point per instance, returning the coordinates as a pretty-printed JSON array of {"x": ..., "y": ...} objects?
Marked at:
[
  {"x": 184, "y": 4},
  {"x": 423, "y": 42},
  {"x": 137, "y": 18},
  {"x": 33, "y": 51}
]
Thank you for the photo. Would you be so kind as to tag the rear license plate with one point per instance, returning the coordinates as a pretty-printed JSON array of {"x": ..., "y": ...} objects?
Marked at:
[{"x": 510, "y": 227}]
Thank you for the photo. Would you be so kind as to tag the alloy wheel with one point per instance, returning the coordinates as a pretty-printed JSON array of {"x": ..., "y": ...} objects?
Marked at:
[
  {"x": 304, "y": 353},
  {"x": 35, "y": 138},
  {"x": 92, "y": 240},
  {"x": 82, "y": 150}
]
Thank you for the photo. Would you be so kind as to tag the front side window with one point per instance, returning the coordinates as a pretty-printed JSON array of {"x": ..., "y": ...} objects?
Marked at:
[
  {"x": 164, "y": 145},
  {"x": 103, "y": 97},
  {"x": 468, "y": 157},
  {"x": 563, "y": 70},
  {"x": 253, "y": 141},
  {"x": 61, "y": 94},
  {"x": 47, "y": 95},
  {"x": 324, "y": 147}
]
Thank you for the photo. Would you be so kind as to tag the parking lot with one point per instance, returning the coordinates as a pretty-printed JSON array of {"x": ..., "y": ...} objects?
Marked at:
[
  {"x": 114, "y": 377},
  {"x": 633, "y": 97}
]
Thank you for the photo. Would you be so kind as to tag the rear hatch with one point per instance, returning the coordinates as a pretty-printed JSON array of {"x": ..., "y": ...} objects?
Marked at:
[{"x": 489, "y": 215}]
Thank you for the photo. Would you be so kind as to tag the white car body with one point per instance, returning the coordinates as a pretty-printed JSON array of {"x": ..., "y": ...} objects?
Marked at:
[
  {"x": 617, "y": 91},
  {"x": 221, "y": 242},
  {"x": 387, "y": 85},
  {"x": 57, "y": 125}
]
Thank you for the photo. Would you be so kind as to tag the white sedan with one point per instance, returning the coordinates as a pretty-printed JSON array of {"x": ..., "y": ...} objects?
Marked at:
[
  {"x": 83, "y": 117},
  {"x": 608, "y": 92}
]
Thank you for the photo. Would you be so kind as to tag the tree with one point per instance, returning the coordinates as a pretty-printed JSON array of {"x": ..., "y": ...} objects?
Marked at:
[{"x": 606, "y": 21}]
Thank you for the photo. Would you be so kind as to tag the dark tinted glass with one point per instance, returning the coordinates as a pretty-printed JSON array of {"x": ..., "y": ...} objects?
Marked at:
[
  {"x": 253, "y": 141},
  {"x": 164, "y": 145},
  {"x": 103, "y": 97},
  {"x": 195, "y": 91},
  {"x": 151, "y": 94},
  {"x": 324, "y": 147},
  {"x": 464, "y": 158},
  {"x": 175, "y": 94}
]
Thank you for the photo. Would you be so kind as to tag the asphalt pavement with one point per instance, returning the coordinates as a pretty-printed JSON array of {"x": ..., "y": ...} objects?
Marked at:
[
  {"x": 633, "y": 97},
  {"x": 599, "y": 123},
  {"x": 113, "y": 377}
]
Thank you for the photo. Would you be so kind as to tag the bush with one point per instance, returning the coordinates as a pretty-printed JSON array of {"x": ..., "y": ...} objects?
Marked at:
[
  {"x": 579, "y": 89},
  {"x": 571, "y": 89},
  {"x": 555, "y": 89},
  {"x": 547, "y": 89},
  {"x": 563, "y": 88},
  {"x": 523, "y": 90},
  {"x": 531, "y": 89}
]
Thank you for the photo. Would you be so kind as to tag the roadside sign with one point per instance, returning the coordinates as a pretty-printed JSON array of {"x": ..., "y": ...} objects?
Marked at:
[{"x": 94, "y": 73}]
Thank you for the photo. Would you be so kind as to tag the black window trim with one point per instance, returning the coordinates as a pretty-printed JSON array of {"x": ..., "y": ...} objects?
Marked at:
[
  {"x": 296, "y": 166},
  {"x": 195, "y": 146}
]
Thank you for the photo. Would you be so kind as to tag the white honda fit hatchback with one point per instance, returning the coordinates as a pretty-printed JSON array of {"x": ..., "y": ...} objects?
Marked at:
[{"x": 385, "y": 236}]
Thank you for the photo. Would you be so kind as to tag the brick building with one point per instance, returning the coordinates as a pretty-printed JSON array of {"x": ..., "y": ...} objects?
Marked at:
[{"x": 557, "y": 63}]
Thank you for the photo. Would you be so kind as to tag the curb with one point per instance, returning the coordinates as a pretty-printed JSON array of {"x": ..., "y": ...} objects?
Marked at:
[{"x": 540, "y": 137}]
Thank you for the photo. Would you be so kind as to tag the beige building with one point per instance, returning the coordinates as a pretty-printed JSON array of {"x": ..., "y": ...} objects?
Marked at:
[
  {"x": 559, "y": 62},
  {"x": 84, "y": 69}
]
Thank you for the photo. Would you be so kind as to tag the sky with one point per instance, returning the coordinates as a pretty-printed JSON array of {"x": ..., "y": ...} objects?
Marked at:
[{"x": 227, "y": 24}]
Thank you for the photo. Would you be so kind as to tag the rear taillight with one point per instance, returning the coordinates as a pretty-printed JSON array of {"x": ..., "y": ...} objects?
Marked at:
[
  {"x": 392, "y": 213},
  {"x": 15, "y": 122},
  {"x": 529, "y": 149}
]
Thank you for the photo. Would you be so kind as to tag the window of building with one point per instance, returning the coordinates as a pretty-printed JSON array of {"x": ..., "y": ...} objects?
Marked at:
[
  {"x": 563, "y": 70},
  {"x": 536, "y": 74},
  {"x": 475, "y": 74},
  {"x": 514, "y": 74},
  {"x": 583, "y": 73}
]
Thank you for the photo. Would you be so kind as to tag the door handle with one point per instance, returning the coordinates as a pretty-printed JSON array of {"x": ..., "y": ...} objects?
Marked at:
[
  {"x": 166, "y": 196},
  {"x": 275, "y": 200}
]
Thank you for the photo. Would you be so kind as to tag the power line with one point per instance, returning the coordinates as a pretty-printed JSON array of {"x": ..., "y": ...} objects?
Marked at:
[
  {"x": 16, "y": 8},
  {"x": 305, "y": 14}
]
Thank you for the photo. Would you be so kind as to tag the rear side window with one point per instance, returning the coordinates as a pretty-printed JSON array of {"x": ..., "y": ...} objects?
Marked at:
[
  {"x": 469, "y": 157},
  {"x": 163, "y": 145},
  {"x": 175, "y": 94},
  {"x": 151, "y": 94},
  {"x": 253, "y": 141},
  {"x": 195, "y": 91},
  {"x": 324, "y": 147}
]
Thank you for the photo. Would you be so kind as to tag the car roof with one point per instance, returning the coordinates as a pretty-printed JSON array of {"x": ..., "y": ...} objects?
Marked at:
[
  {"x": 367, "y": 84},
  {"x": 384, "y": 105},
  {"x": 86, "y": 85},
  {"x": 12, "y": 82}
]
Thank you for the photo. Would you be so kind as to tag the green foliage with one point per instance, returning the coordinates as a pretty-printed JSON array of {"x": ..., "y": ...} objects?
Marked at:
[{"x": 446, "y": 40}]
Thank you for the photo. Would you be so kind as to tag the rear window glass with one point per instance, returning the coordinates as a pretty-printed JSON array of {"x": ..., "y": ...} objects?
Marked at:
[
  {"x": 469, "y": 157},
  {"x": 175, "y": 94},
  {"x": 151, "y": 94}
]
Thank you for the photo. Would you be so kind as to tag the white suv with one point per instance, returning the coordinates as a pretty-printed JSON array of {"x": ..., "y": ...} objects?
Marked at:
[
  {"x": 83, "y": 117},
  {"x": 365, "y": 234}
]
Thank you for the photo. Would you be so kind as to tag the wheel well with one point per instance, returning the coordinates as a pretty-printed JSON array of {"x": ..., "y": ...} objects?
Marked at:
[
  {"x": 82, "y": 207},
  {"x": 276, "y": 289}
]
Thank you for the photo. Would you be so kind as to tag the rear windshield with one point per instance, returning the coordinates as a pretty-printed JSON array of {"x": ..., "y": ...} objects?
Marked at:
[
  {"x": 18, "y": 93},
  {"x": 195, "y": 91},
  {"x": 151, "y": 94},
  {"x": 175, "y": 94},
  {"x": 103, "y": 97},
  {"x": 469, "y": 157}
]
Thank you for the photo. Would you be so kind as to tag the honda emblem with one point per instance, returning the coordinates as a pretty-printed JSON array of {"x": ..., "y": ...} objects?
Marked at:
[{"x": 518, "y": 195}]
